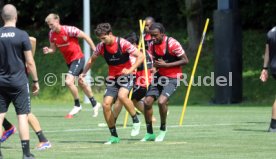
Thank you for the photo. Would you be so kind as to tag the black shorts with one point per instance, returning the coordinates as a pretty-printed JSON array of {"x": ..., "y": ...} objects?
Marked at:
[
  {"x": 138, "y": 92},
  {"x": 19, "y": 96},
  {"x": 113, "y": 85},
  {"x": 162, "y": 85},
  {"x": 76, "y": 67}
]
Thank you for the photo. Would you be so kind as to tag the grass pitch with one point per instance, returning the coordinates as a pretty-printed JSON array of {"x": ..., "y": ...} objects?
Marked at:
[{"x": 208, "y": 132}]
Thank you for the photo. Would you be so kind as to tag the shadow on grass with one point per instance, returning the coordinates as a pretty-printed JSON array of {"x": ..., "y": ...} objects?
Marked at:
[
  {"x": 257, "y": 122},
  {"x": 7, "y": 147},
  {"x": 51, "y": 116},
  {"x": 253, "y": 130},
  {"x": 93, "y": 141}
]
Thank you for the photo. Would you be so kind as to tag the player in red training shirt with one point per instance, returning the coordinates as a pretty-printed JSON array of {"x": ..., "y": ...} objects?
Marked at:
[
  {"x": 168, "y": 57},
  {"x": 65, "y": 38},
  {"x": 140, "y": 85},
  {"x": 116, "y": 52}
]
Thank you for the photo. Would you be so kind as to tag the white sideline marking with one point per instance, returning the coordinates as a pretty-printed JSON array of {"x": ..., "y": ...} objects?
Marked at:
[{"x": 169, "y": 126}]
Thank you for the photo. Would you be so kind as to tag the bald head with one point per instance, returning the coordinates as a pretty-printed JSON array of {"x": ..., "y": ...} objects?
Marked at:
[{"x": 9, "y": 12}]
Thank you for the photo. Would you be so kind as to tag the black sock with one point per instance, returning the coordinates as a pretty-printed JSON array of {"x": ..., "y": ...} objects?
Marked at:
[
  {"x": 41, "y": 136},
  {"x": 77, "y": 102},
  {"x": 26, "y": 147},
  {"x": 93, "y": 101},
  {"x": 6, "y": 124},
  {"x": 163, "y": 127},
  {"x": 149, "y": 128},
  {"x": 273, "y": 123},
  {"x": 113, "y": 131},
  {"x": 135, "y": 119}
]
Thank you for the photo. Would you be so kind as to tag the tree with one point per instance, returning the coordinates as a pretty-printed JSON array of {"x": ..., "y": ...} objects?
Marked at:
[
  {"x": 194, "y": 10},
  {"x": 1, "y": 6}
]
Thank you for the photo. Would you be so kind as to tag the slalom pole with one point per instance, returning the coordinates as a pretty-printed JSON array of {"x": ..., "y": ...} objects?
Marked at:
[
  {"x": 193, "y": 72},
  {"x": 126, "y": 115},
  {"x": 143, "y": 23},
  {"x": 142, "y": 27}
]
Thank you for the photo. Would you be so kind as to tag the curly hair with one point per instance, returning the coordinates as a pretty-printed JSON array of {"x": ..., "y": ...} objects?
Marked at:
[
  {"x": 103, "y": 29},
  {"x": 158, "y": 26}
]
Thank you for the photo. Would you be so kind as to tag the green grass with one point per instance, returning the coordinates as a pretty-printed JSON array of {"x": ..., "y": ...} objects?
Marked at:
[{"x": 208, "y": 132}]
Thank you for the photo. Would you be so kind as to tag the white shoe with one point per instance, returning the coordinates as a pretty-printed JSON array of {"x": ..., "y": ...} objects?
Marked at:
[
  {"x": 96, "y": 109},
  {"x": 75, "y": 110},
  {"x": 135, "y": 129},
  {"x": 160, "y": 136}
]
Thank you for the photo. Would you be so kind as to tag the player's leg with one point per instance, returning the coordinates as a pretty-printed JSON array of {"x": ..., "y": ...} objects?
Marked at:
[
  {"x": 272, "y": 127},
  {"x": 73, "y": 71},
  {"x": 9, "y": 130},
  {"x": 137, "y": 96},
  {"x": 117, "y": 108},
  {"x": 111, "y": 93},
  {"x": 148, "y": 112},
  {"x": 128, "y": 104},
  {"x": 74, "y": 91},
  {"x": 44, "y": 143},
  {"x": 21, "y": 102},
  {"x": 2, "y": 116},
  {"x": 110, "y": 120},
  {"x": 88, "y": 92},
  {"x": 166, "y": 93},
  {"x": 5, "y": 100}
]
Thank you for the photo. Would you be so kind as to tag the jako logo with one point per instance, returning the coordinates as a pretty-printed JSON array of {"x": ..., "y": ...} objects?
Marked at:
[{"x": 9, "y": 34}]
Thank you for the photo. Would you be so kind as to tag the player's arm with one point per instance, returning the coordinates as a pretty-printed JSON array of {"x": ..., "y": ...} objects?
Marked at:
[
  {"x": 32, "y": 70},
  {"x": 87, "y": 39},
  {"x": 139, "y": 60},
  {"x": 264, "y": 73},
  {"x": 89, "y": 63},
  {"x": 33, "y": 43},
  {"x": 50, "y": 50}
]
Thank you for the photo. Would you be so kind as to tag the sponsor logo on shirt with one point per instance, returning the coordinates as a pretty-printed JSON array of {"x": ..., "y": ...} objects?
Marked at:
[
  {"x": 113, "y": 58},
  {"x": 8, "y": 35},
  {"x": 64, "y": 38}
]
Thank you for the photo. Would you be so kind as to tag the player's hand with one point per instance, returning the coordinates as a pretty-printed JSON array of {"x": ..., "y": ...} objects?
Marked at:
[
  {"x": 153, "y": 70},
  {"x": 82, "y": 77},
  {"x": 35, "y": 88},
  {"x": 46, "y": 50},
  {"x": 159, "y": 63},
  {"x": 264, "y": 75},
  {"x": 126, "y": 71}
]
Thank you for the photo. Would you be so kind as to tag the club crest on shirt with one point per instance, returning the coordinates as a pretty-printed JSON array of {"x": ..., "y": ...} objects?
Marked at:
[
  {"x": 64, "y": 38},
  {"x": 164, "y": 51}
]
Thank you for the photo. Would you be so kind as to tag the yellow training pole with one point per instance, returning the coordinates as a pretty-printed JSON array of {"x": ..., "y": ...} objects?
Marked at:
[
  {"x": 142, "y": 26},
  {"x": 126, "y": 115},
  {"x": 143, "y": 23},
  {"x": 193, "y": 72}
]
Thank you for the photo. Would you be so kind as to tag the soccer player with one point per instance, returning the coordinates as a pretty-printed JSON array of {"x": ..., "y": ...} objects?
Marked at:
[
  {"x": 15, "y": 54},
  {"x": 116, "y": 52},
  {"x": 65, "y": 38},
  {"x": 149, "y": 21},
  {"x": 168, "y": 57},
  {"x": 270, "y": 62},
  {"x": 140, "y": 86},
  {"x": 10, "y": 129}
]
